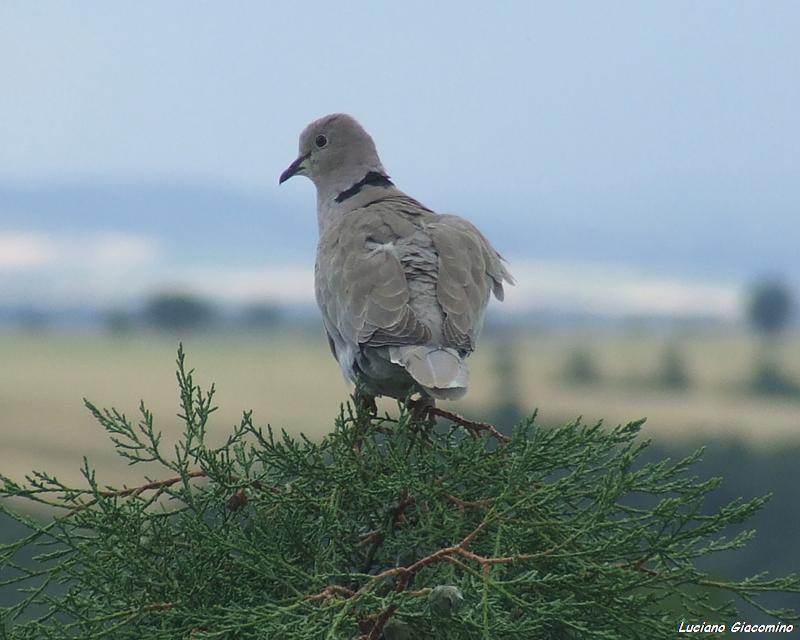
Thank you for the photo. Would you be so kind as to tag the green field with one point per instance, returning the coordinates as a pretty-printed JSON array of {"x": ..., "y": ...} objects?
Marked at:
[{"x": 291, "y": 381}]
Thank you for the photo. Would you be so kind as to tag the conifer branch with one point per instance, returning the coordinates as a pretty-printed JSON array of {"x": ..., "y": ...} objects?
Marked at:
[{"x": 383, "y": 527}]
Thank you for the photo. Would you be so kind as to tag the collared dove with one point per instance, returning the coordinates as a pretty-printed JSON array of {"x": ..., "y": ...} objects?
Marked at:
[{"x": 403, "y": 290}]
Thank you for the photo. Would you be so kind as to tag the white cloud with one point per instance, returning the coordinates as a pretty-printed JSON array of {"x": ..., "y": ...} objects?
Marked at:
[
  {"x": 22, "y": 251},
  {"x": 101, "y": 270},
  {"x": 236, "y": 285},
  {"x": 27, "y": 251},
  {"x": 616, "y": 290},
  {"x": 114, "y": 250},
  {"x": 552, "y": 286}
]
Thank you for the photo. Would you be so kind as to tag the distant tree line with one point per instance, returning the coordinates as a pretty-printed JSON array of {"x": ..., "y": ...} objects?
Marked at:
[
  {"x": 768, "y": 310},
  {"x": 177, "y": 312}
]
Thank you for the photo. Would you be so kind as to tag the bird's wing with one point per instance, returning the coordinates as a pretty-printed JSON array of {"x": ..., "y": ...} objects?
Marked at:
[
  {"x": 361, "y": 286},
  {"x": 469, "y": 269}
]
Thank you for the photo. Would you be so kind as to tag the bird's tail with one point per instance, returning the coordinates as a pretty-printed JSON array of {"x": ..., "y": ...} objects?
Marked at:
[{"x": 441, "y": 371}]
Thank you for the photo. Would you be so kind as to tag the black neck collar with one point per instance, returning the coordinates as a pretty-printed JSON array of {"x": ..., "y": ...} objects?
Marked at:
[{"x": 372, "y": 179}]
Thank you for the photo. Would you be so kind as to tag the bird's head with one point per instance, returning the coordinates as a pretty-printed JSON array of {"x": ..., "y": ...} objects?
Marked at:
[{"x": 335, "y": 151}]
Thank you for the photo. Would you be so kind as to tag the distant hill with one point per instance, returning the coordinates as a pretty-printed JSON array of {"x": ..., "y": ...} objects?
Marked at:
[
  {"x": 206, "y": 224},
  {"x": 573, "y": 253},
  {"x": 691, "y": 228},
  {"x": 197, "y": 224}
]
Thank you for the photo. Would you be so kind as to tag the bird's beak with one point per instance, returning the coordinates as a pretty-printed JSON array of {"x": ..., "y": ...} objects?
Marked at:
[{"x": 296, "y": 168}]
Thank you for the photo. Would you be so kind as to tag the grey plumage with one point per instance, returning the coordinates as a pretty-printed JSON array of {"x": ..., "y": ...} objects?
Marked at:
[{"x": 402, "y": 290}]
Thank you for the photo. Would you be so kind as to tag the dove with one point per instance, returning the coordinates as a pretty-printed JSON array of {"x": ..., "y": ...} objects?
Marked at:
[{"x": 402, "y": 289}]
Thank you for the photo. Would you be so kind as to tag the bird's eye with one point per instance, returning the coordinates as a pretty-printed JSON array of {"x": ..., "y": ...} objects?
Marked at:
[{"x": 321, "y": 141}]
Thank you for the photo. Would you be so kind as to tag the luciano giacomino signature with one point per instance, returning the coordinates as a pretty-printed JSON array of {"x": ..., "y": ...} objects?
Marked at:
[{"x": 739, "y": 626}]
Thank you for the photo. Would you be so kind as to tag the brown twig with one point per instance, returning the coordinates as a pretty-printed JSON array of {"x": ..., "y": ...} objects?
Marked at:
[
  {"x": 406, "y": 573},
  {"x": 465, "y": 504},
  {"x": 473, "y": 426},
  {"x": 375, "y": 537},
  {"x": 370, "y": 536},
  {"x": 380, "y": 622},
  {"x": 158, "y": 485},
  {"x": 330, "y": 591},
  {"x": 638, "y": 565},
  {"x": 372, "y": 630},
  {"x": 158, "y": 606}
]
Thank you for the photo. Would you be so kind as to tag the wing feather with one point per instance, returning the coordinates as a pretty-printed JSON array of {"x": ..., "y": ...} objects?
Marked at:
[
  {"x": 469, "y": 270},
  {"x": 365, "y": 260},
  {"x": 361, "y": 285}
]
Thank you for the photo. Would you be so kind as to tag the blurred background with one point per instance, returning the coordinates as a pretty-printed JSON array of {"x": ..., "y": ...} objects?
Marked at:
[{"x": 637, "y": 164}]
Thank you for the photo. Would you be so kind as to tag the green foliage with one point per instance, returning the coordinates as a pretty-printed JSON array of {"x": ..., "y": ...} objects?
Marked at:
[
  {"x": 388, "y": 526},
  {"x": 769, "y": 307}
]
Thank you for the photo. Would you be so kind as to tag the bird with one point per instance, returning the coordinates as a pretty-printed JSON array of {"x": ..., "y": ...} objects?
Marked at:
[{"x": 403, "y": 290}]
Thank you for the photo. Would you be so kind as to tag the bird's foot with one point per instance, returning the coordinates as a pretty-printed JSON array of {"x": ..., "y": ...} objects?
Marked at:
[
  {"x": 423, "y": 420},
  {"x": 366, "y": 409},
  {"x": 366, "y": 402},
  {"x": 421, "y": 408}
]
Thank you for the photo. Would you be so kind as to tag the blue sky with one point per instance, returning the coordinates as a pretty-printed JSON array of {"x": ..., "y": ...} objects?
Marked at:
[
  {"x": 573, "y": 115},
  {"x": 603, "y": 95}
]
